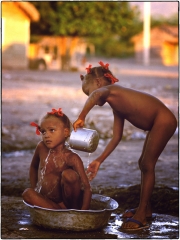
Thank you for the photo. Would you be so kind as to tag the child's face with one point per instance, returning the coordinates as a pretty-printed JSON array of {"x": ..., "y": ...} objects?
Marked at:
[
  {"x": 53, "y": 132},
  {"x": 89, "y": 86}
]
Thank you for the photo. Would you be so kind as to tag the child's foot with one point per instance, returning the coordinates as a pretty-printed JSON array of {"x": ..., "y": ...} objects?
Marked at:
[
  {"x": 132, "y": 224},
  {"x": 130, "y": 213}
]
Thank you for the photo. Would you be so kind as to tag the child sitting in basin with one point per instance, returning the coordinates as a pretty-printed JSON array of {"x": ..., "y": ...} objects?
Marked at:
[
  {"x": 143, "y": 111},
  {"x": 57, "y": 176}
]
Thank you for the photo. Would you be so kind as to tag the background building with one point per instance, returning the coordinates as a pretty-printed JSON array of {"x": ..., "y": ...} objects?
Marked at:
[
  {"x": 58, "y": 52},
  {"x": 163, "y": 45},
  {"x": 16, "y": 17}
]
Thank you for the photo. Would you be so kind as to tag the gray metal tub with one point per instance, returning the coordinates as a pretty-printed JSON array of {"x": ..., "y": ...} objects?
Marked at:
[{"x": 75, "y": 220}]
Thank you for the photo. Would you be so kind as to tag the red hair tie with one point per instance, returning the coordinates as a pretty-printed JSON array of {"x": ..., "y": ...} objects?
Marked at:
[
  {"x": 54, "y": 111},
  {"x": 104, "y": 65},
  {"x": 89, "y": 68},
  {"x": 113, "y": 79},
  {"x": 37, "y": 127}
]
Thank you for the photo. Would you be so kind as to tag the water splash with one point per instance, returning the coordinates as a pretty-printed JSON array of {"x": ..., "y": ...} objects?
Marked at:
[
  {"x": 89, "y": 154},
  {"x": 42, "y": 173}
]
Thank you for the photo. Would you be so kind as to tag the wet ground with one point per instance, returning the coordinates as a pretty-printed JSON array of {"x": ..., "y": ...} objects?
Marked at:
[
  {"x": 22, "y": 227},
  {"x": 28, "y": 94},
  {"x": 16, "y": 221}
]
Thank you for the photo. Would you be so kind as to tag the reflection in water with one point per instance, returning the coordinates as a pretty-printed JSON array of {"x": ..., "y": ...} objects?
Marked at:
[
  {"x": 165, "y": 223},
  {"x": 118, "y": 222},
  {"x": 24, "y": 222},
  {"x": 165, "y": 226}
]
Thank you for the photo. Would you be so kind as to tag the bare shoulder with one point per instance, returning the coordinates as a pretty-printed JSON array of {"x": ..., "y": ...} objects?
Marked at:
[
  {"x": 41, "y": 146},
  {"x": 72, "y": 157},
  {"x": 73, "y": 154},
  {"x": 114, "y": 87},
  {"x": 102, "y": 91},
  {"x": 40, "y": 149}
]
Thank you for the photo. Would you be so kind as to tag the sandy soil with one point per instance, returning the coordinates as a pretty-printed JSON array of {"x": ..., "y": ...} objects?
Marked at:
[{"x": 26, "y": 95}]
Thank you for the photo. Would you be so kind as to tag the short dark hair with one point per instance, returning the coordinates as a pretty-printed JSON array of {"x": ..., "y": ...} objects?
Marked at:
[
  {"x": 96, "y": 72},
  {"x": 64, "y": 119}
]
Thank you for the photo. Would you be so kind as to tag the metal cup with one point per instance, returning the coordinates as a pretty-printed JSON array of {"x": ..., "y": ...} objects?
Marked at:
[{"x": 84, "y": 139}]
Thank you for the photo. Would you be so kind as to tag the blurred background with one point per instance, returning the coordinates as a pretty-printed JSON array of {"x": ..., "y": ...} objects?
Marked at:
[
  {"x": 47, "y": 44},
  {"x": 60, "y": 35}
]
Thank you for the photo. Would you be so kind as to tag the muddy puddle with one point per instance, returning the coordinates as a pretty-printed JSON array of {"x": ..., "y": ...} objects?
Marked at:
[{"x": 19, "y": 225}]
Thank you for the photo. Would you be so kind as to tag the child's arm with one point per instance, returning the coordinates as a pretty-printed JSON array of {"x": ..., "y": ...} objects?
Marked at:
[
  {"x": 79, "y": 168},
  {"x": 117, "y": 136},
  {"x": 33, "y": 171},
  {"x": 95, "y": 97}
]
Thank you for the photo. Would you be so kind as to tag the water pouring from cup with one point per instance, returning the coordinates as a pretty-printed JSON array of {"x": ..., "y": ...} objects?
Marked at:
[{"x": 84, "y": 139}]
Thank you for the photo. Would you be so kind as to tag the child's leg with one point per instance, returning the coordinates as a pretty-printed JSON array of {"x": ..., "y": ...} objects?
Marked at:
[
  {"x": 71, "y": 189},
  {"x": 129, "y": 213},
  {"x": 34, "y": 198},
  {"x": 164, "y": 126}
]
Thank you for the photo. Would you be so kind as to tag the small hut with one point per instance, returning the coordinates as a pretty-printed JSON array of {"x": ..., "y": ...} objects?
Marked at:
[
  {"x": 58, "y": 52},
  {"x": 16, "y": 17},
  {"x": 163, "y": 45}
]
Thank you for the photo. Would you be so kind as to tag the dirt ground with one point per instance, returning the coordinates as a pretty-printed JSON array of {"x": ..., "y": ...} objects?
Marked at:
[{"x": 27, "y": 95}]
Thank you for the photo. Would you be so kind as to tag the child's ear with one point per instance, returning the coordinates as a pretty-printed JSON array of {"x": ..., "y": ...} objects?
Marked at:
[
  {"x": 67, "y": 132},
  {"x": 81, "y": 77}
]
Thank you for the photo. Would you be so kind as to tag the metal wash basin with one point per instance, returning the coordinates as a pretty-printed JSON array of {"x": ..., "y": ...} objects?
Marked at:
[{"x": 75, "y": 220}]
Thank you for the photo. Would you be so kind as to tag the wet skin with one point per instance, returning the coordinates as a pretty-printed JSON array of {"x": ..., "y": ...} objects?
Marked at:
[
  {"x": 57, "y": 175},
  {"x": 143, "y": 111}
]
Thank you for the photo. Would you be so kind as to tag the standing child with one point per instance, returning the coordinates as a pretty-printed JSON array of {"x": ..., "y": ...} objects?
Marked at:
[
  {"x": 143, "y": 111},
  {"x": 57, "y": 176}
]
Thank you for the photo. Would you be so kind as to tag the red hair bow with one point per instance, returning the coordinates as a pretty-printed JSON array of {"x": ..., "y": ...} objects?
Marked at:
[
  {"x": 89, "y": 68},
  {"x": 104, "y": 65},
  {"x": 54, "y": 111},
  {"x": 113, "y": 79},
  {"x": 37, "y": 127}
]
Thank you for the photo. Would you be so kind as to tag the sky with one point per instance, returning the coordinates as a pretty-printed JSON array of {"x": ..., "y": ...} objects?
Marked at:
[{"x": 158, "y": 8}]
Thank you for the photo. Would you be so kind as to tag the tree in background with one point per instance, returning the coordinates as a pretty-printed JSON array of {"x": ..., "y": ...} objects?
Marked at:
[
  {"x": 108, "y": 25},
  {"x": 160, "y": 20}
]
